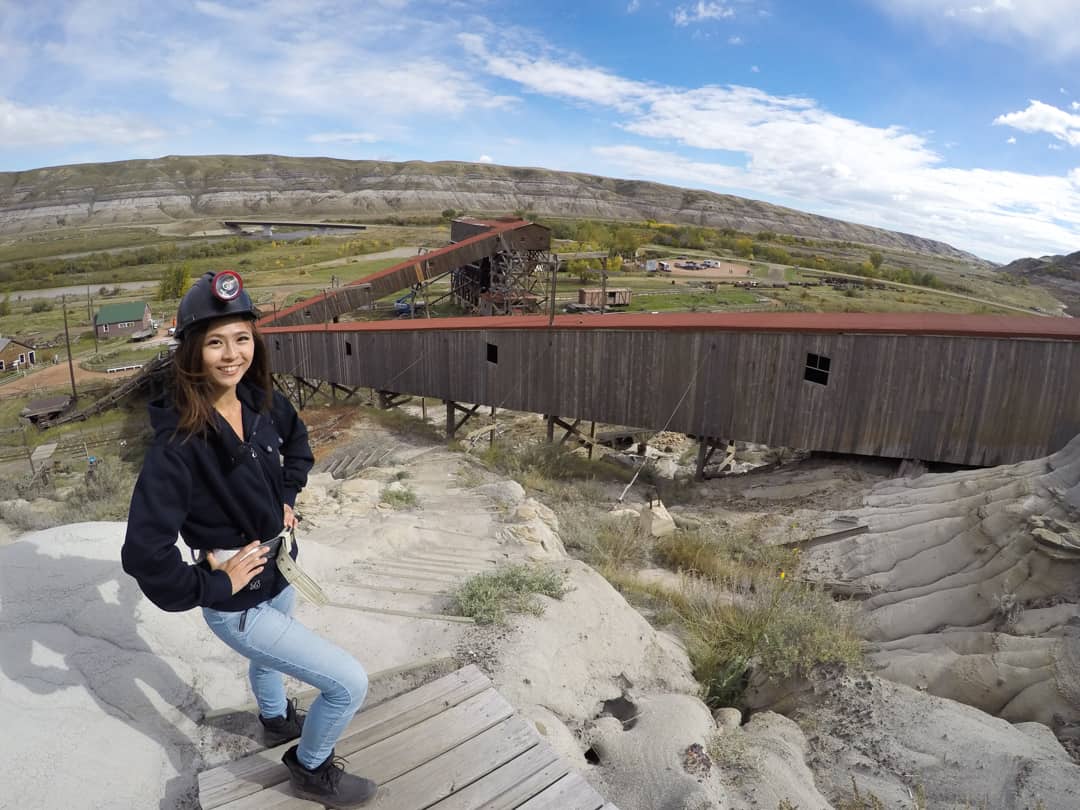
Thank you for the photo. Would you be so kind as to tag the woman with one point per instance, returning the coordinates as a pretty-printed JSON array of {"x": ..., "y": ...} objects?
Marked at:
[{"x": 229, "y": 456}]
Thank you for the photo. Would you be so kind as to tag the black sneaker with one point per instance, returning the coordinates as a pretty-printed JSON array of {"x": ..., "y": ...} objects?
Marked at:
[
  {"x": 329, "y": 783},
  {"x": 278, "y": 730}
]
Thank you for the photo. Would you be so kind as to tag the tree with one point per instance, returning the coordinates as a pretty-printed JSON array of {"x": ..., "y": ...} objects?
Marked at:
[
  {"x": 174, "y": 283},
  {"x": 448, "y": 213},
  {"x": 744, "y": 247},
  {"x": 626, "y": 241},
  {"x": 876, "y": 259},
  {"x": 5, "y": 306}
]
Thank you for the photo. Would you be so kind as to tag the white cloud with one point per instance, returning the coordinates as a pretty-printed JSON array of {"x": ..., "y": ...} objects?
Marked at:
[
  {"x": 1040, "y": 117},
  {"x": 557, "y": 78},
  {"x": 343, "y": 137},
  {"x": 755, "y": 69},
  {"x": 485, "y": 159},
  {"x": 1075, "y": 105},
  {"x": 701, "y": 11},
  {"x": 735, "y": 40},
  {"x": 633, "y": 6},
  {"x": 273, "y": 60},
  {"x": 1010, "y": 139},
  {"x": 1049, "y": 25},
  {"x": 33, "y": 126},
  {"x": 791, "y": 149}
]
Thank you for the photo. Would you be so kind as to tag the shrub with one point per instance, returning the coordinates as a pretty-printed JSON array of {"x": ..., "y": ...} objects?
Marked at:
[
  {"x": 103, "y": 494},
  {"x": 399, "y": 497},
  {"x": 489, "y": 597},
  {"x": 778, "y": 627}
]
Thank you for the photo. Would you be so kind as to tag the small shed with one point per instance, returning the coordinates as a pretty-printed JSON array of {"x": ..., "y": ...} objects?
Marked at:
[
  {"x": 39, "y": 410},
  {"x": 15, "y": 355},
  {"x": 611, "y": 297},
  {"x": 122, "y": 319}
]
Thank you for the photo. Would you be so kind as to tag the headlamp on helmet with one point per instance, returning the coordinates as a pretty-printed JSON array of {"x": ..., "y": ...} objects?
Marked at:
[{"x": 226, "y": 285}]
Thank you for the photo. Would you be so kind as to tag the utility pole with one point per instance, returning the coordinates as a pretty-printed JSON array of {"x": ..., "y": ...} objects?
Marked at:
[
  {"x": 90, "y": 317},
  {"x": 67, "y": 339}
]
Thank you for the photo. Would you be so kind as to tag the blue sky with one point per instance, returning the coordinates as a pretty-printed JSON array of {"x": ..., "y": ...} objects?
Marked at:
[{"x": 958, "y": 120}]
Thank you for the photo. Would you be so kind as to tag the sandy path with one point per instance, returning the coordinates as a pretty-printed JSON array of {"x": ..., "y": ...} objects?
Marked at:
[{"x": 47, "y": 378}]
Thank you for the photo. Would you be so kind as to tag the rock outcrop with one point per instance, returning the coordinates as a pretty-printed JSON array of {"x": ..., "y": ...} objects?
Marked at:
[
  {"x": 973, "y": 583},
  {"x": 164, "y": 189}
]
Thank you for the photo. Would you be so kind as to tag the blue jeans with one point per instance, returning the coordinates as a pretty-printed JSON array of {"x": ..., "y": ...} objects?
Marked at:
[{"x": 276, "y": 643}]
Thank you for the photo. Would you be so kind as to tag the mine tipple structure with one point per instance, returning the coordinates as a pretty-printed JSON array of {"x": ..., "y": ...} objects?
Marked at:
[{"x": 496, "y": 267}]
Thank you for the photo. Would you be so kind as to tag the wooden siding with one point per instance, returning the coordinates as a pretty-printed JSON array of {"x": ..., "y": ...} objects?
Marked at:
[{"x": 964, "y": 399}]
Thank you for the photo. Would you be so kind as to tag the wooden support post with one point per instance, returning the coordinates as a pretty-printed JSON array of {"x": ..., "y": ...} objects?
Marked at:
[
  {"x": 551, "y": 428},
  {"x": 491, "y": 436},
  {"x": 570, "y": 429},
  {"x": 592, "y": 435},
  {"x": 706, "y": 448},
  {"x": 449, "y": 418},
  {"x": 603, "y": 286},
  {"x": 703, "y": 448}
]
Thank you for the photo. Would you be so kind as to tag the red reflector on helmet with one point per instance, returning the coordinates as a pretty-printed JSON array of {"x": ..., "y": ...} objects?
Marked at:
[{"x": 226, "y": 285}]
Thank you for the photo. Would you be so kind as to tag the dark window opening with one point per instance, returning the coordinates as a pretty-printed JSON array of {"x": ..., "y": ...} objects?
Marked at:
[
  {"x": 348, "y": 349},
  {"x": 817, "y": 369},
  {"x": 277, "y": 345},
  {"x": 492, "y": 353}
]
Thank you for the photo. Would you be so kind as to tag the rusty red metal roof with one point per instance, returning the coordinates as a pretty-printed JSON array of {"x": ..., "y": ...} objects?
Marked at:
[{"x": 929, "y": 323}]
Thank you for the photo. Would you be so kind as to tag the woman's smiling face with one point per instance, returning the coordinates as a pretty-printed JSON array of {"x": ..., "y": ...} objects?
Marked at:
[{"x": 227, "y": 352}]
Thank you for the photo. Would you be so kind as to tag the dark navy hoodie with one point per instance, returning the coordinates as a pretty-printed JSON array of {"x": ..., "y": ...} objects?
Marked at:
[{"x": 214, "y": 491}]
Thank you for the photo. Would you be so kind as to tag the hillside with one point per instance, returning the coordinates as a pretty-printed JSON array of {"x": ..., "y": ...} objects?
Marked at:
[
  {"x": 1059, "y": 275},
  {"x": 169, "y": 188}
]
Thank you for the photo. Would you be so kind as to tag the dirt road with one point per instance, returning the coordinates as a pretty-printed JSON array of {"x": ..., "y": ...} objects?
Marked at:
[{"x": 56, "y": 378}]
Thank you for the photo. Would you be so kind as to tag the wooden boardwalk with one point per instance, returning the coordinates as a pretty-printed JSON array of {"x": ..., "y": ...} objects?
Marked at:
[{"x": 452, "y": 744}]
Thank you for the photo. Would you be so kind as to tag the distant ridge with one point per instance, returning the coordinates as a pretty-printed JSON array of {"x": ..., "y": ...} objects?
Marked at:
[
  {"x": 177, "y": 187},
  {"x": 1059, "y": 275}
]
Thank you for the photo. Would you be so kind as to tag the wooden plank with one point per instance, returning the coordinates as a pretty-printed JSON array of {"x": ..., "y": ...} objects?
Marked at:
[
  {"x": 571, "y": 792},
  {"x": 443, "y": 776},
  {"x": 476, "y": 561},
  {"x": 411, "y": 614},
  {"x": 436, "y": 558},
  {"x": 419, "y": 578},
  {"x": 305, "y": 696},
  {"x": 252, "y": 773},
  {"x": 417, "y": 741},
  {"x": 400, "y": 753},
  {"x": 388, "y": 589},
  {"x": 450, "y": 571},
  {"x": 506, "y": 787}
]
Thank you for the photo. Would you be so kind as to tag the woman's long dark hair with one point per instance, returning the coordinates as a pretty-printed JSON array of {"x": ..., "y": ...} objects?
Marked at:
[{"x": 192, "y": 389}]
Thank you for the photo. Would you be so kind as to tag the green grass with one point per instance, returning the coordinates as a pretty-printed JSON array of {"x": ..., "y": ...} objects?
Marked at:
[
  {"x": 738, "y": 607},
  {"x": 694, "y": 299},
  {"x": 402, "y": 497},
  {"x": 125, "y": 356},
  {"x": 487, "y": 598}
]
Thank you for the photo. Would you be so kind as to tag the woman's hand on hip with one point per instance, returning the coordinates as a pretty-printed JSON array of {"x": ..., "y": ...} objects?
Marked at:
[
  {"x": 289, "y": 517},
  {"x": 243, "y": 566}
]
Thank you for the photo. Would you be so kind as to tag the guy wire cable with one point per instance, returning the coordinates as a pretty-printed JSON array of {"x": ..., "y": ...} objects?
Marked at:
[{"x": 675, "y": 410}]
